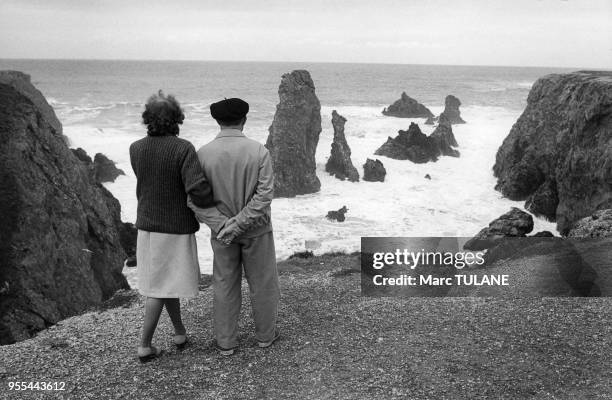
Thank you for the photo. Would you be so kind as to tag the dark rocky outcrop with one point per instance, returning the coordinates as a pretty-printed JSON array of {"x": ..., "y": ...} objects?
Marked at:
[
  {"x": 598, "y": 225},
  {"x": 558, "y": 154},
  {"x": 430, "y": 121},
  {"x": 543, "y": 234},
  {"x": 451, "y": 110},
  {"x": 60, "y": 248},
  {"x": 374, "y": 171},
  {"x": 444, "y": 139},
  {"x": 294, "y": 135},
  {"x": 101, "y": 168},
  {"x": 427, "y": 176},
  {"x": 338, "y": 215},
  {"x": 419, "y": 148},
  {"x": 514, "y": 223},
  {"x": 339, "y": 163},
  {"x": 407, "y": 107}
]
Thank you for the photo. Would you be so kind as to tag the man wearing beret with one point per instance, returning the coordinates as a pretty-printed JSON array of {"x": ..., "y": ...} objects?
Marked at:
[{"x": 239, "y": 170}]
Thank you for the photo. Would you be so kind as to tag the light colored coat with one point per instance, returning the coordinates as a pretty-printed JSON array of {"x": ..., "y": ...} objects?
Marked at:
[{"x": 239, "y": 170}]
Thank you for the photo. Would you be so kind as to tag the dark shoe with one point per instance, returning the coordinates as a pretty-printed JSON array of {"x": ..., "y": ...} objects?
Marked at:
[
  {"x": 226, "y": 352},
  {"x": 180, "y": 341},
  {"x": 146, "y": 354},
  {"x": 264, "y": 345}
]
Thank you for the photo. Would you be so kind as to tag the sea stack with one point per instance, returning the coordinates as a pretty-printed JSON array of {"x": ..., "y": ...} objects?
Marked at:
[
  {"x": 339, "y": 163},
  {"x": 60, "y": 245},
  {"x": 294, "y": 135},
  {"x": 558, "y": 154},
  {"x": 451, "y": 110},
  {"x": 374, "y": 171},
  {"x": 419, "y": 148},
  {"x": 407, "y": 107}
]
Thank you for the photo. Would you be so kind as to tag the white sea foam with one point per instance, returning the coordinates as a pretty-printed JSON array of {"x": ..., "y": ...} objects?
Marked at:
[{"x": 459, "y": 199}]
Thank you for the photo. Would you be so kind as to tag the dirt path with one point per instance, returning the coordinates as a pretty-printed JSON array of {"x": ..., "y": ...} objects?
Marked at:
[{"x": 335, "y": 345}]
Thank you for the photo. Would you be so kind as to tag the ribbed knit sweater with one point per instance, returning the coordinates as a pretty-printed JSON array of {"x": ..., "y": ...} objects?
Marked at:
[{"x": 167, "y": 170}]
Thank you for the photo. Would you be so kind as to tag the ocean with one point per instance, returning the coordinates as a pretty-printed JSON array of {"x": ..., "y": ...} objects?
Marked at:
[{"x": 100, "y": 102}]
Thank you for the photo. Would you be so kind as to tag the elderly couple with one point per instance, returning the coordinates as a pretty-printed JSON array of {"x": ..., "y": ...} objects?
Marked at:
[{"x": 228, "y": 185}]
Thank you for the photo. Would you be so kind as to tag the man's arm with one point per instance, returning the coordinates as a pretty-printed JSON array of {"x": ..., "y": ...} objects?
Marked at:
[
  {"x": 212, "y": 217},
  {"x": 262, "y": 198},
  {"x": 194, "y": 180}
]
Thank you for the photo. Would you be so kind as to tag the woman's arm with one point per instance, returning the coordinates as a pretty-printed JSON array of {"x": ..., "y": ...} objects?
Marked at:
[{"x": 196, "y": 184}]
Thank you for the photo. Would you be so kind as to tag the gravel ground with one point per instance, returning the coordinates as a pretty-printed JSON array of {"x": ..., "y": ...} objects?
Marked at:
[{"x": 335, "y": 344}]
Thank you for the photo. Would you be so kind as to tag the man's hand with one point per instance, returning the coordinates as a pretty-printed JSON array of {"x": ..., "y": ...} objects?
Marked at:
[{"x": 229, "y": 232}]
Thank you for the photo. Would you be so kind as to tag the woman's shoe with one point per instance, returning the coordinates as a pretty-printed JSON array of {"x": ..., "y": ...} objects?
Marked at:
[
  {"x": 180, "y": 341},
  {"x": 146, "y": 354}
]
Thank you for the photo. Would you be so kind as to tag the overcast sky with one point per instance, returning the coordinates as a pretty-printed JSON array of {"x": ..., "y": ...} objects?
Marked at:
[{"x": 571, "y": 33}]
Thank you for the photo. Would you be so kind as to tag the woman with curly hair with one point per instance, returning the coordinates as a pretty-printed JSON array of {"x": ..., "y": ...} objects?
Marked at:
[{"x": 167, "y": 171}]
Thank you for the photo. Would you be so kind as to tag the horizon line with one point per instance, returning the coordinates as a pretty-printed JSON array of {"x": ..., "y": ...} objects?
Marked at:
[{"x": 301, "y": 62}]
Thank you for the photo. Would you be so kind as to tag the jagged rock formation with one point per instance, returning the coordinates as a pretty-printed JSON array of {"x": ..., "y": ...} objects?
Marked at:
[
  {"x": 339, "y": 163},
  {"x": 451, "y": 110},
  {"x": 60, "y": 251},
  {"x": 374, "y": 171},
  {"x": 558, "y": 154},
  {"x": 419, "y": 148},
  {"x": 431, "y": 120},
  {"x": 407, "y": 107},
  {"x": 101, "y": 168},
  {"x": 514, "y": 223},
  {"x": 337, "y": 215},
  {"x": 598, "y": 225},
  {"x": 294, "y": 135},
  {"x": 444, "y": 139}
]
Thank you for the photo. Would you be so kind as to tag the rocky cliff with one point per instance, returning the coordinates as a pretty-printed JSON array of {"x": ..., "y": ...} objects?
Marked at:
[
  {"x": 417, "y": 147},
  {"x": 407, "y": 107},
  {"x": 294, "y": 136},
  {"x": 60, "y": 249},
  {"x": 339, "y": 163},
  {"x": 558, "y": 155}
]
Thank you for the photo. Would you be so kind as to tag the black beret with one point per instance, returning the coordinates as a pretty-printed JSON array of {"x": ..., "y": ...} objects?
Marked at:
[{"x": 229, "y": 110}]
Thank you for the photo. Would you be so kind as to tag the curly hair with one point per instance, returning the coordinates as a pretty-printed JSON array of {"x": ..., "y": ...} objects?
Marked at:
[{"x": 162, "y": 115}]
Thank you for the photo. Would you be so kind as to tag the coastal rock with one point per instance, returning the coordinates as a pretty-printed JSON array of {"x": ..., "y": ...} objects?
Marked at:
[
  {"x": 543, "y": 234},
  {"x": 337, "y": 215},
  {"x": 562, "y": 140},
  {"x": 82, "y": 156},
  {"x": 598, "y": 225},
  {"x": 451, "y": 110},
  {"x": 444, "y": 139},
  {"x": 374, "y": 171},
  {"x": 430, "y": 120},
  {"x": 339, "y": 163},
  {"x": 105, "y": 169},
  {"x": 22, "y": 83},
  {"x": 407, "y": 107},
  {"x": 59, "y": 230},
  {"x": 294, "y": 135},
  {"x": 514, "y": 223},
  {"x": 419, "y": 148}
]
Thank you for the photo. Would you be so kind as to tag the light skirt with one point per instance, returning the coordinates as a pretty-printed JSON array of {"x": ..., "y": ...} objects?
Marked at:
[{"x": 167, "y": 265}]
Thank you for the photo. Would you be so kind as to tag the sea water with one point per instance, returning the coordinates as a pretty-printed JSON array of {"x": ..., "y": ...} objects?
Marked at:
[{"x": 100, "y": 103}]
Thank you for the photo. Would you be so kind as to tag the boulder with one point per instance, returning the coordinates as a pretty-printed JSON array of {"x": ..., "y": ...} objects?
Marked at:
[
  {"x": 427, "y": 176},
  {"x": 105, "y": 169},
  {"x": 419, "y": 148},
  {"x": 60, "y": 247},
  {"x": 515, "y": 223},
  {"x": 101, "y": 168},
  {"x": 374, "y": 171},
  {"x": 562, "y": 140},
  {"x": 294, "y": 135},
  {"x": 451, "y": 110},
  {"x": 338, "y": 215},
  {"x": 598, "y": 225},
  {"x": 543, "y": 234},
  {"x": 430, "y": 120},
  {"x": 339, "y": 163},
  {"x": 407, "y": 107}
]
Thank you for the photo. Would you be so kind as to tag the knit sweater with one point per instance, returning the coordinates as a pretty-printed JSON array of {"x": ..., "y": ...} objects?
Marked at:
[{"x": 167, "y": 170}]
